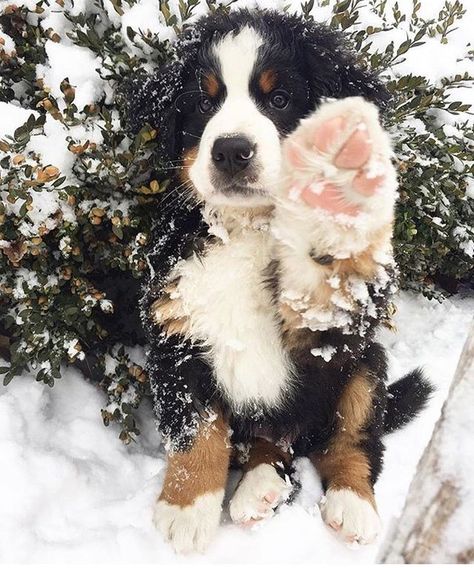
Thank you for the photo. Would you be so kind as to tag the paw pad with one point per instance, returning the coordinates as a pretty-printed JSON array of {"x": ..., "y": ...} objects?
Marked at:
[{"x": 338, "y": 157}]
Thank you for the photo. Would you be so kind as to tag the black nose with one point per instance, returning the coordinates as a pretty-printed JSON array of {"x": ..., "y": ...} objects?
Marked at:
[{"x": 232, "y": 155}]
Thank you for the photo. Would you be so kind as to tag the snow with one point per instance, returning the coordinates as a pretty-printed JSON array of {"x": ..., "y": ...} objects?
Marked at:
[
  {"x": 28, "y": 279},
  {"x": 71, "y": 491},
  {"x": 76, "y": 63},
  {"x": 146, "y": 17},
  {"x": 325, "y": 352},
  {"x": 436, "y": 61},
  {"x": 6, "y": 42},
  {"x": 465, "y": 244},
  {"x": 13, "y": 116}
]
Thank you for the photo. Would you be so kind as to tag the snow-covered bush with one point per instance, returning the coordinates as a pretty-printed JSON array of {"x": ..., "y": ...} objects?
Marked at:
[{"x": 77, "y": 192}]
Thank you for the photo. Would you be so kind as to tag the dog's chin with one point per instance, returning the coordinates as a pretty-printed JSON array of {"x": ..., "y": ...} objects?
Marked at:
[{"x": 241, "y": 197}]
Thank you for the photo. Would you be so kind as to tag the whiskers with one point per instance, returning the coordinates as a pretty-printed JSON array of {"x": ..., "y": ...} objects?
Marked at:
[
  {"x": 192, "y": 135},
  {"x": 183, "y": 194}
]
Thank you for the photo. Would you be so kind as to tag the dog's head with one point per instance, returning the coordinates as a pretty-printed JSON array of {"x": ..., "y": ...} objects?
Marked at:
[{"x": 238, "y": 85}]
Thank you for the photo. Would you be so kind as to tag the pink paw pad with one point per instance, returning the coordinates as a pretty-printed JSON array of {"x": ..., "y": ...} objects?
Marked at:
[
  {"x": 250, "y": 523},
  {"x": 352, "y": 154},
  {"x": 327, "y": 133},
  {"x": 365, "y": 185},
  {"x": 330, "y": 198},
  {"x": 356, "y": 151},
  {"x": 269, "y": 501}
]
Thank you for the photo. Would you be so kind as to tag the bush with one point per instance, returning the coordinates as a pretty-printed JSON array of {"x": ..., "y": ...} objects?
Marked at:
[{"x": 77, "y": 192}]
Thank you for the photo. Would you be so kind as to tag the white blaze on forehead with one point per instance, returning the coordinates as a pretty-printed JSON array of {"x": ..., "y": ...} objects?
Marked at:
[{"x": 237, "y": 55}]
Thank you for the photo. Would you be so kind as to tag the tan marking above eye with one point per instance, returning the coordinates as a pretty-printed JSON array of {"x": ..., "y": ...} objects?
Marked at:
[
  {"x": 210, "y": 84},
  {"x": 267, "y": 80}
]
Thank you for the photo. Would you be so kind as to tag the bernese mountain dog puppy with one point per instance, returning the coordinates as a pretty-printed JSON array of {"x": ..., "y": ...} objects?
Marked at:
[{"x": 271, "y": 268}]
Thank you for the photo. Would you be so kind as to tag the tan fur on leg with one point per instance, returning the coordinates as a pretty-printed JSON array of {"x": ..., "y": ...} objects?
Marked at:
[
  {"x": 264, "y": 451},
  {"x": 349, "y": 504},
  {"x": 188, "y": 510},
  {"x": 345, "y": 465},
  {"x": 202, "y": 469}
]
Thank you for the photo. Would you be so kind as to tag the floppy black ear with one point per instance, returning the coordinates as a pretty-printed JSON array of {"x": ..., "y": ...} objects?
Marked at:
[
  {"x": 333, "y": 70},
  {"x": 151, "y": 99}
]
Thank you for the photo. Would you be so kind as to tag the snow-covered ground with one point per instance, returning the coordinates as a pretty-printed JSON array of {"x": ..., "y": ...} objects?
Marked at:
[{"x": 70, "y": 491}]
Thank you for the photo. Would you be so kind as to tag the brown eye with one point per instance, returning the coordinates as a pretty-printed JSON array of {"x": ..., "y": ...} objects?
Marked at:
[
  {"x": 205, "y": 104},
  {"x": 279, "y": 99}
]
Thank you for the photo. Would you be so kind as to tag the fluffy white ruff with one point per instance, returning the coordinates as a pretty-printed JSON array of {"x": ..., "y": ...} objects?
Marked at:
[
  {"x": 230, "y": 311},
  {"x": 192, "y": 528},
  {"x": 249, "y": 502},
  {"x": 357, "y": 519}
]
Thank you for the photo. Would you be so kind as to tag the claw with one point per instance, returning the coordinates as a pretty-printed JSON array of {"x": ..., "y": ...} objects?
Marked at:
[{"x": 271, "y": 497}]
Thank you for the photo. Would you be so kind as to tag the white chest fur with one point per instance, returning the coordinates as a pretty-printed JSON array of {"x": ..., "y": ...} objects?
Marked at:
[{"x": 231, "y": 313}]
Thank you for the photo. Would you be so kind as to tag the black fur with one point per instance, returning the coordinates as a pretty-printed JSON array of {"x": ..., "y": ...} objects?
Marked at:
[{"x": 406, "y": 399}]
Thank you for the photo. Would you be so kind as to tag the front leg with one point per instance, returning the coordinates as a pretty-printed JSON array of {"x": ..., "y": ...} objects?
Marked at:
[
  {"x": 189, "y": 508},
  {"x": 195, "y": 433},
  {"x": 265, "y": 483},
  {"x": 334, "y": 216},
  {"x": 350, "y": 464}
]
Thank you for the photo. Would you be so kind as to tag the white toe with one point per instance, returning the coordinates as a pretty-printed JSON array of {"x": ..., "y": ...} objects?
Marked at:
[
  {"x": 191, "y": 528},
  {"x": 356, "y": 518},
  {"x": 249, "y": 500}
]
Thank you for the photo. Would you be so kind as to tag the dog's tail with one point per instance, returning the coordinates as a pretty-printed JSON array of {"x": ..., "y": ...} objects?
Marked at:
[{"x": 406, "y": 399}]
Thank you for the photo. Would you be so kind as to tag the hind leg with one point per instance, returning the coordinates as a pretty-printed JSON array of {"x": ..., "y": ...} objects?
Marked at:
[
  {"x": 264, "y": 484},
  {"x": 350, "y": 465}
]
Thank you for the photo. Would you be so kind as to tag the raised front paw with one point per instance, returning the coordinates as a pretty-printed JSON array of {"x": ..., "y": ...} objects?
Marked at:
[
  {"x": 190, "y": 528},
  {"x": 339, "y": 159},
  {"x": 258, "y": 495},
  {"x": 353, "y": 517}
]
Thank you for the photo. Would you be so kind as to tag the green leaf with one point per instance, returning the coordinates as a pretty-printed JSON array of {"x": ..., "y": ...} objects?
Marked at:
[
  {"x": 342, "y": 6},
  {"x": 7, "y": 379},
  {"x": 117, "y": 231}
]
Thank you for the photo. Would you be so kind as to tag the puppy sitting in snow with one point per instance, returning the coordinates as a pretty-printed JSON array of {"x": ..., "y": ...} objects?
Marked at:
[{"x": 271, "y": 269}]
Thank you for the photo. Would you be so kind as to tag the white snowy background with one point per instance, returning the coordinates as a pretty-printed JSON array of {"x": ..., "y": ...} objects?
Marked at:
[{"x": 70, "y": 491}]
